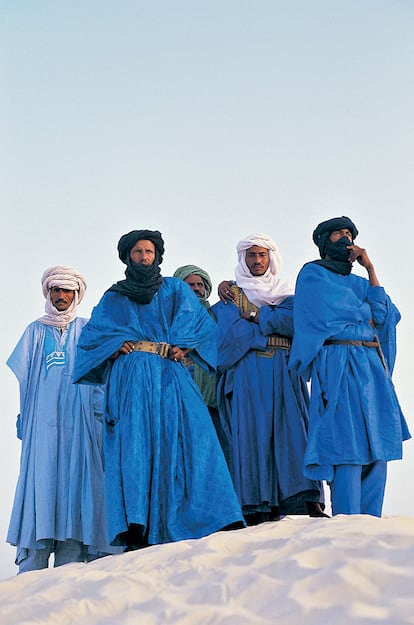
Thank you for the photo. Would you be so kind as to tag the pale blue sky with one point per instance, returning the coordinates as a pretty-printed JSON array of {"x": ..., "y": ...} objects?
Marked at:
[{"x": 208, "y": 121}]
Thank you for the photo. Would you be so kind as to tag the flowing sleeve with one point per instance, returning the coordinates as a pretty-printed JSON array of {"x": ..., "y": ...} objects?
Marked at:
[
  {"x": 192, "y": 326},
  {"x": 236, "y": 335},
  {"x": 101, "y": 337},
  {"x": 277, "y": 319},
  {"x": 385, "y": 316},
  {"x": 315, "y": 316}
]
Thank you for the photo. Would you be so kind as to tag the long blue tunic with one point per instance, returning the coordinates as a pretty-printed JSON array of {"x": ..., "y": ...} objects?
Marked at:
[
  {"x": 165, "y": 470},
  {"x": 60, "y": 492},
  {"x": 355, "y": 417},
  {"x": 263, "y": 408}
]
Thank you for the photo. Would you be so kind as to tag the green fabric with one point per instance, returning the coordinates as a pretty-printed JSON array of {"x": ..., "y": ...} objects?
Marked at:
[
  {"x": 188, "y": 270},
  {"x": 205, "y": 380}
]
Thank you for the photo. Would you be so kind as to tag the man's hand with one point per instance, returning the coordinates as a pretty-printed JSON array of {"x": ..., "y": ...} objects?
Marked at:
[
  {"x": 177, "y": 353},
  {"x": 126, "y": 348},
  {"x": 225, "y": 291},
  {"x": 359, "y": 254},
  {"x": 253, "y": 315}
]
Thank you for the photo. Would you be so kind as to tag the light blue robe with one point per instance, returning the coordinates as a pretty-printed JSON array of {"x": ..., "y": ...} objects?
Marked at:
[
  {"x": 165, "y": 470},
  {"x": 355, "y": 417},
  {"x": 60, "y": 492},
  {"x": 263, "y": 410}
]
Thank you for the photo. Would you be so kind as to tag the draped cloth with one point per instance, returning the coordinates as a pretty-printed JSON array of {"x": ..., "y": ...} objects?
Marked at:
[
  {"x": 265, "y": 289},
  {"x": 355, "y": 417},
  {"x": 65, "y": 278},
  {"x": 60, "y": 491},
  {"x": 165, "y": 471}
]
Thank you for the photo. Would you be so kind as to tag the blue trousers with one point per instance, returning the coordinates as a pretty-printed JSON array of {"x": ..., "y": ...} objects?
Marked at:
[
  {"x": 65, "y": 551},
  {"x": 358, "y": 489}
]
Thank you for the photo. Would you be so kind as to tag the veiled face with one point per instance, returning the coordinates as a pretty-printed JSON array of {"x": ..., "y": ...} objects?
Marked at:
[
  {"x": 196, "y": 284},
  {"x": 338, "y": 234},
  {"x": 61, "y": 298},
  {"x": 257, "y": 260},
  {"x": 143, "y": 253}
]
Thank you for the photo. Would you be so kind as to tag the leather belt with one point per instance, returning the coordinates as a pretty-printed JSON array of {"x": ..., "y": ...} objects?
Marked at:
[
  {"x": 374, "y": 344},
  {"x": 161, "y": 349},
  {"x": 363, "y": 343}
]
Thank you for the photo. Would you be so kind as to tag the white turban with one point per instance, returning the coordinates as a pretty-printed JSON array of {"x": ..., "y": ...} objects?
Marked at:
[
  {"x": 65, "y": 278},
  {"x": 265, "y": 289}
]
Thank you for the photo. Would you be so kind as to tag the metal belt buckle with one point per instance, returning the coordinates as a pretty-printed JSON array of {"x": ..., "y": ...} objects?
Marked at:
[{"x": 162, "y": 349}]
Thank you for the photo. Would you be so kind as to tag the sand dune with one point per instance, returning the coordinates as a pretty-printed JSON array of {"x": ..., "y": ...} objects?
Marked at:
[{"x": 297, "y": 571}]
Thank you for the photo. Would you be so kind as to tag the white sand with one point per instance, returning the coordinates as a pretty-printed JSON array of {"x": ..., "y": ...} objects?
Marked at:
[{"x": 298, "y": 571}]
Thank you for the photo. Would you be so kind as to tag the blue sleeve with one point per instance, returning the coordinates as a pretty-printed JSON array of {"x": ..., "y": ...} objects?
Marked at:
[
  {"x": 237, "y": 336},
  {"x": 277, "y": 319}
]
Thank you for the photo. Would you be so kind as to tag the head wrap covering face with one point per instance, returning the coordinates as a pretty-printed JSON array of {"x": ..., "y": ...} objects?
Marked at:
[
  {"x": 142, "y": 282},
  {"x": 189, "y": 270},
  {"x": 265, "y": 289},
  {"x": 65, "y": 278},
  {"x": 338, "y": 256},
  {"x": 324, "y": 230}
]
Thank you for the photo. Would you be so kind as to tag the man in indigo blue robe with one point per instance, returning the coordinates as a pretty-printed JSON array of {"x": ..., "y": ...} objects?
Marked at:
[
  {"x": 59, "y": 504},
  {"x": 166, "y": 476},
  {"x": 263, "y": 407},
  {"x": 344, "y": 341}
]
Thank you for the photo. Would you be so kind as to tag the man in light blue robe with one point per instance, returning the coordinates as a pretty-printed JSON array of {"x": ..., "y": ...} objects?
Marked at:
[
  {"x": 166, "y": 476},
  {"x": 59, "y": 504},
  {"x": 263, "y": 407},
  {"x": 344, "y": 341}
]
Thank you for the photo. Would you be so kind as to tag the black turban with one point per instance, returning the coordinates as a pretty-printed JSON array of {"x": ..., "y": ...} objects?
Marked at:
[
  {"x": 142, "y": 282},
  {"x": 323, "y": 231},
  {"x": 127, "y": 242}
]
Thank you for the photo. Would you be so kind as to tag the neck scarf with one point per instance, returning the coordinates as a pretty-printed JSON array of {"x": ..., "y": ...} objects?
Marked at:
[
  {"x": 266, "y": 289},
  {"x": 141, "y": 283},
  {"x": 65, "y": 278},
  {"x": 188, "y": 270}
]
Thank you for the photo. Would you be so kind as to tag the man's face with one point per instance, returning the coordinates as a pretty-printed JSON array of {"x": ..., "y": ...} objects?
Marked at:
[
  {"x": 143, "y": 253},
  {"x": 61, "y": 298},
  {"x": 196, "y": 284},
  {"x": 338, "y": 234},
  {"x": 257, "y": 260}
]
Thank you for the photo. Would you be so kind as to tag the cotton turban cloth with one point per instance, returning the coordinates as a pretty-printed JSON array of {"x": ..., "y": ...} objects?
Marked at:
[
  {"x": 127, "y": 242},
  {"x": 266, "y": 289},
  {"x": 188, "y": 270},
  {"x": 323, "y": 231},
  {"x": 142, "y": 282},
  {"x": 65, "y": 278}
]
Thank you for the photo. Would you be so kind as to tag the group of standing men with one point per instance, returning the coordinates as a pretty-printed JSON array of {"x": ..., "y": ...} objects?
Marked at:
[{"x": 206, "y": 416}]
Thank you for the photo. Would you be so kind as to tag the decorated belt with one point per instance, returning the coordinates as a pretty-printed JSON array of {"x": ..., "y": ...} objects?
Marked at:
[
  {"x": 161, "y": 349},
  {"x": 275, "y": 342},
  {"x": 279, "y": 341}
]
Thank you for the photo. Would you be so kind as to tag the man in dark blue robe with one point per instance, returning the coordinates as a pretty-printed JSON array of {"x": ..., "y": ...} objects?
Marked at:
[
  {"x": 166, "y": 476},
  {"x": 344, "y": 341},
  {"x": 263, "y": 407}
]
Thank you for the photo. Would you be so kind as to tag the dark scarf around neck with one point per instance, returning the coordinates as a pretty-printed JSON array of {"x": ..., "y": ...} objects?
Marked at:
[{"x": 141, "y": 283}]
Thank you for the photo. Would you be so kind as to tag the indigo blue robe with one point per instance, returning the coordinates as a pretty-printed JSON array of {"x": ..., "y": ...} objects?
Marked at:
[
  {"x": 263, "y": 409},
  {"x": 60, "y": 492},
  {"x": 165, "y": 470},
  {"x": 355, "y": 417}
]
